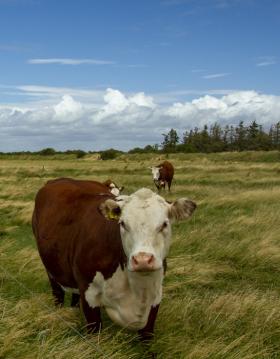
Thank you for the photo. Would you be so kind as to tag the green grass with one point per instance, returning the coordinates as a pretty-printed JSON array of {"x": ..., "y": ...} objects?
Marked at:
[{"x": 222, "y": 289}]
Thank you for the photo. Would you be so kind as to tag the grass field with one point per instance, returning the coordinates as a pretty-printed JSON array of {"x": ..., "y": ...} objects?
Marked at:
[{"x": 222, "y": 288}]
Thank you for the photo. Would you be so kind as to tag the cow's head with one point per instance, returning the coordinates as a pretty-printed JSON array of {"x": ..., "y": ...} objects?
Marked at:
[
  {"x": 145, "y": 226},
  {"x": 114, "y": 189},
  {"x": 155, "y": 172},
  {"x": 159, "y": 183}
]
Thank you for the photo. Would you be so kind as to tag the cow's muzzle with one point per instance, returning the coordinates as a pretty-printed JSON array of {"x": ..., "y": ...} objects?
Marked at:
[{"x": 143, "y": 262}]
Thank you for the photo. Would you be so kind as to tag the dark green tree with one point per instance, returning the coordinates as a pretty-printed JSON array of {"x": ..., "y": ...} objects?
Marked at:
[
  {"x": 276, "y": 136},
  {"x": 170, "y": 141},
  {"x": 217, "y": 143},
  {"x": 253, "y": 136},
  {"x": 240, "y": 136}
]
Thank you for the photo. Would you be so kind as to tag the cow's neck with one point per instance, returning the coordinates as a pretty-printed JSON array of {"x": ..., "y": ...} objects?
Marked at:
[
  {"x": 127, "y": 296},
  {"x": 147, "y": 287}
]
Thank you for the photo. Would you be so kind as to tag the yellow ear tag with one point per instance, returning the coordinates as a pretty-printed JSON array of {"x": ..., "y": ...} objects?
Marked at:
[{"x": 112, "y": 215}]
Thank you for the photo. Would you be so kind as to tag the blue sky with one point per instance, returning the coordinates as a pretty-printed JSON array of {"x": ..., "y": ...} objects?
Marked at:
[{"x": 95, "y": 74}]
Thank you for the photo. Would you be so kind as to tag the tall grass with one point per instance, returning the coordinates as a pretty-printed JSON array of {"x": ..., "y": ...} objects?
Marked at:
[{"x": 222, "y": 288}]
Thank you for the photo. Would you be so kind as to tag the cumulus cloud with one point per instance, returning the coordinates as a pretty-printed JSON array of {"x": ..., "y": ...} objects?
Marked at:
[
  {"x": 68, "y": 110},
  {"x": 123, "y": 120},
  {"x": 229, "y": 109},
  {"x": 118, "y": 103}
]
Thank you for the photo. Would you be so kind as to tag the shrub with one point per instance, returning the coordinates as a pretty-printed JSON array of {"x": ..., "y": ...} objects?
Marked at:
[
  {"x": 47, "y": 151},
  {"x": 80, "y": 153},
  {"x": 109, "y": 154}
]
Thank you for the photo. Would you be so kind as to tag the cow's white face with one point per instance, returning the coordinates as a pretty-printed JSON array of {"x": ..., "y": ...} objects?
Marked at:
[
  {"x": 155, "y": 173},
  {"x": 145, "y": 226},
  {"x": 145, "y": 230}
]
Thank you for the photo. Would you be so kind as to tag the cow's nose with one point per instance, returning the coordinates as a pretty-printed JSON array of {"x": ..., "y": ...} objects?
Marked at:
[{"x": 143, "y": 262}]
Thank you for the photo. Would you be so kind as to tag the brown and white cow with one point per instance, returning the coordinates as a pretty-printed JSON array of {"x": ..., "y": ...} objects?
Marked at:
[
  {"x": 111, "y": 250},
  {"x": 163, "y": 174}
]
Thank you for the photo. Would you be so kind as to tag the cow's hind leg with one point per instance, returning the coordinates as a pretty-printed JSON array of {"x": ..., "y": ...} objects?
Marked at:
[{"x": 57, "y": 292}]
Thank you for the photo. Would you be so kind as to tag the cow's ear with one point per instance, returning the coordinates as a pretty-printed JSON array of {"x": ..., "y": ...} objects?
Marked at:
[
  {"x": 110, "y": 209},
  {"x": 121, "y": 188},
  {"x": 182, "y": 208},
  {"x": 107, "y": 183}
]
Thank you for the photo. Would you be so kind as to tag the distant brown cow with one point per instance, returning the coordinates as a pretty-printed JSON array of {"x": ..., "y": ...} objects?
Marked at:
[
  {"x": 163, "y": 174},
  {"x": 111, "y": 250}
]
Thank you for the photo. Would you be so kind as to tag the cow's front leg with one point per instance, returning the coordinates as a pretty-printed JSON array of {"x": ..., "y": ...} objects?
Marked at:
[
  {"x": 146, "y": 334},
  {"x": 92, "y": 315}
]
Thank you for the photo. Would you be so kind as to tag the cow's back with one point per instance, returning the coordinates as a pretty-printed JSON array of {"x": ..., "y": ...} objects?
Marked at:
[
  {"x": 74, "y": 240},
  {"x": 86, "y": 186}
]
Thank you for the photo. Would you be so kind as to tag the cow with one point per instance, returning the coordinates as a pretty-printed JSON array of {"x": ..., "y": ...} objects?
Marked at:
[
  {"x": 163, "y": 174},
  {"x": 111, "y": 250}
]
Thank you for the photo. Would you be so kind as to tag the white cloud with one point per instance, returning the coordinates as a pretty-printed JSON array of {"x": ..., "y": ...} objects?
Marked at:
[
  {"x": 176, "y": 95},
  {"x": 266, "y": 61},
  {"x": 215, "y": 76},
  {"x": 116, "y": 102},
  {"x": 231, "y": 108},
  {"x": 120, "y": 120},
  {"x": 68, "y": 110},
  {"x": 140, "y": 99},
  {"x": 39, "y": 96},
  {"x": 69, "y": 61},
  {"x": 34, "y": 90}
]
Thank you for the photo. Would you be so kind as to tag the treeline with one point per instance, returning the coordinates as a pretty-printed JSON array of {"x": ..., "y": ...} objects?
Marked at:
[
  {"x": 103, "y": 155},
  {"x": 219, "y": 139},
  {"x": 49, "y": 151},
  {"x": 208, "y": 139}
]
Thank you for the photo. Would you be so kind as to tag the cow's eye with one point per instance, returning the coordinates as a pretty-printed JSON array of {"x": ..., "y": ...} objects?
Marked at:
[
  {"x": 163, "y": 226},
  {"x": 123, "y": 226}
]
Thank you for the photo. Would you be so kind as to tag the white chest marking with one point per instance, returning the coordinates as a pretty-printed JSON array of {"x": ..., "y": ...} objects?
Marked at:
[{"x": 126, "y": 296}]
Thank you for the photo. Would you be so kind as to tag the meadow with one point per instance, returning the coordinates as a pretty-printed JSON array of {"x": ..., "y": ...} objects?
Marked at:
[{"x": 222, "y": 288}]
